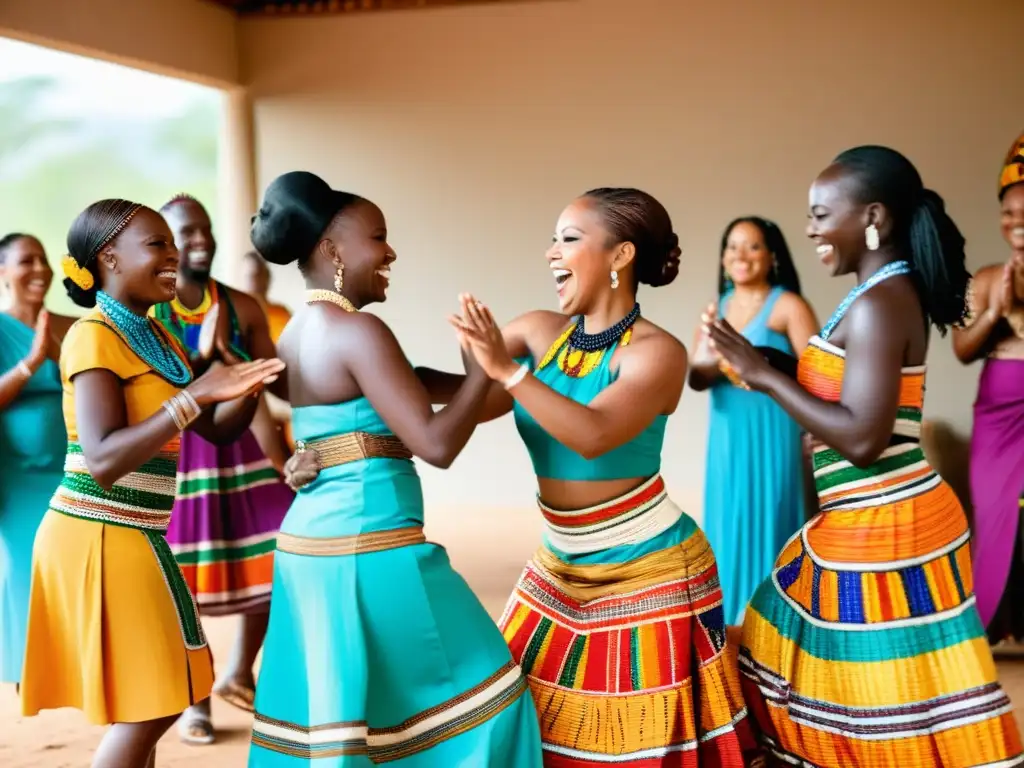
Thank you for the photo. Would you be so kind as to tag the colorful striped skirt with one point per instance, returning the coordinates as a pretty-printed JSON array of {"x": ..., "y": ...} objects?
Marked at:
[
  {"x": 864, "y": 648},
  {"x": 626, "y": 660},
  {"x": 226, "y": 516}
]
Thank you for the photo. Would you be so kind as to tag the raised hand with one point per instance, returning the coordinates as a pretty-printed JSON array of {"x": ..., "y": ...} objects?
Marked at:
[
  {"x": 740, "y": 360},
  {"x": 477, "y": 327},
  {"x": 705, "y": 354},
  {"x": 40, "y": 341},
  {"x": 207, "y": 344},
  {"x": 1001, "y": 298},
  {"x": 227, "y": 382}
]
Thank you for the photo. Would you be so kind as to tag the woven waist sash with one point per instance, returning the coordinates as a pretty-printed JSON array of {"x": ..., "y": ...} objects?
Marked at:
[
  {"x": 141, "y": 499},
  {"x": 632, "y": 518},
  {"x": 354, "y": 446},
  {"x": 360, "y": 544}
]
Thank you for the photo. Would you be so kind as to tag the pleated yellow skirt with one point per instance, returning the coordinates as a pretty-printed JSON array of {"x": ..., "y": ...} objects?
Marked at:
[{"x": 104, "y": 634}]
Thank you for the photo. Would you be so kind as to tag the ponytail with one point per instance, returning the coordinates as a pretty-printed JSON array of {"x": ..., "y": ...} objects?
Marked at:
[{"x": 937, "y": 254}]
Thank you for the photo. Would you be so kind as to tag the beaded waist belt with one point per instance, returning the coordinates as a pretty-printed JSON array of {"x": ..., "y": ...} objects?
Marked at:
[
  {"x": 354, "y": 446},
  {"x": 632, "y": 518},
  {"x": 360, "y": 544},
  {"x": 141, "y": 499}
]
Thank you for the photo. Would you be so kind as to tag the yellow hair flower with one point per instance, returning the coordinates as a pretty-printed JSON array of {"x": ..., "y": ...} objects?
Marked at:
[{"x": 77, "y": 274}]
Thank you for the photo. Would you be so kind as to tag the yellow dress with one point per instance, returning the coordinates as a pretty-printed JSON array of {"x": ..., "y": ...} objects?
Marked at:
[{"x": 112, "y": 628}]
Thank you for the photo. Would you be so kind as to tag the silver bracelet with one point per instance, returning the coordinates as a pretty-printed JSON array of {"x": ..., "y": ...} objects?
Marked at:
[
  {"x": 183, "y": 409},
  {"x": 23, "y": 369},
  {"x": 516, "y": 377}
]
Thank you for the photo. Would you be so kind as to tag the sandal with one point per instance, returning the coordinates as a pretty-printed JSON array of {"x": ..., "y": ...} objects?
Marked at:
[
  {"x": 195, "y": 728},
  {"x": 237, "y": 695}
]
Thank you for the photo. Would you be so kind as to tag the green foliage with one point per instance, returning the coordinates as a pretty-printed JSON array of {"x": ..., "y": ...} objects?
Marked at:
[{"x": 51, "y": 168}]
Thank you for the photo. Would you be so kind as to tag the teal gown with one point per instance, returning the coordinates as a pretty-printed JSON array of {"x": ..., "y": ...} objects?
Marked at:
[
  {"x": 33, "y": 444},
  {"x": 382, "y": 656},
  {"x": 753, "y": 488}
]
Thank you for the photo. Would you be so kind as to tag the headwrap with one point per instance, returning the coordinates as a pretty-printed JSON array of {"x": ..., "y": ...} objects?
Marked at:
[{"x": 1013, "y": 166}]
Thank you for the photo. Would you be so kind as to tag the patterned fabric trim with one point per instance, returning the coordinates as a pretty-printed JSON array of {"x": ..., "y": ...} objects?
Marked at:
[
  {"x": 354, "y": 446},
  {"x": 360, "y": 544},
  {"x": 185, "y": 606},
  {"x": 142, "y": 499},
  {"x": 237, "y": 479},
  {"x": 632, "y": 518},
  {"x": 384, "y": 745}
]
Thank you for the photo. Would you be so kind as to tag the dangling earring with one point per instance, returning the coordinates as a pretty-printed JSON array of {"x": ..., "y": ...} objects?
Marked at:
[
  {"x": 339, "y": 277},
  {"x": 871, "y": 237},
  {"x": 615, "y": 279}
]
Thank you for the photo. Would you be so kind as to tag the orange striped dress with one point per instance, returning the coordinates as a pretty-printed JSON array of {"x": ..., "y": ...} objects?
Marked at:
[{"x": 864, "y": 647}]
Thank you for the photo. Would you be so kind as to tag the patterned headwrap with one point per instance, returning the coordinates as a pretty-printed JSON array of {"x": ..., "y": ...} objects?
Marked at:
[{"x": 1013, "y": 166}]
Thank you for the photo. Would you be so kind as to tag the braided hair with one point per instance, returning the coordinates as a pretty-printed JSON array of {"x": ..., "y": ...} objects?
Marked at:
[
  {"x": 93, "y": 229},
  {"x": 921, "y": 228}
]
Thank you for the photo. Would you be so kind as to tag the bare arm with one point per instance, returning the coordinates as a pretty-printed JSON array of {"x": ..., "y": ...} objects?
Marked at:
[
  {"x": 111, "y": 448},
  {"x": 704, "y": 371},
  {"x": 800, "y": 321},
  {"x": 860, "y": 424},
  {"x": 267, "y": 431},
  {"x": 388, "y": 381},
  {"x": 974, "y": 340}
]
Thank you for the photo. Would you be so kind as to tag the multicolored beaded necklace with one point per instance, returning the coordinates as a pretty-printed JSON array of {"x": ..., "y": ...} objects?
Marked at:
[
  {"x": 145, "y": 339},
  {"x": 186, "y": 324},
  {"x": 891, "y": 269},
  {"x": 578, "y": 352}
]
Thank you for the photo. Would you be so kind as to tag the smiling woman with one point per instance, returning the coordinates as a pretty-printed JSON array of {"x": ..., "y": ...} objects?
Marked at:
[{"x": 107, "y": 598}]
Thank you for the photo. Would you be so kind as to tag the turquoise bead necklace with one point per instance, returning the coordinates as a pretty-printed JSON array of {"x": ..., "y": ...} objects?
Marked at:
[
  {"x": 145, "y": 341},
  {"x": 891, "y": 269}
]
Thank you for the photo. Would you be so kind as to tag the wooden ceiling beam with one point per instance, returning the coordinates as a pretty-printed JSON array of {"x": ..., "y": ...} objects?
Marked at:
[{"x": 319, "y": 7}]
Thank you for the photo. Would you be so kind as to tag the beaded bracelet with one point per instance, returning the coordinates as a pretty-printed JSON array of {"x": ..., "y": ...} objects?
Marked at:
[
  {"x": 730, "y": 373},
  {"x": 183, "y": 409}
]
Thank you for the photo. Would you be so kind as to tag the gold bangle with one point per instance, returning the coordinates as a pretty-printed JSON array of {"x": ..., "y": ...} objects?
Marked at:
[{"x": 183, "y": 409}]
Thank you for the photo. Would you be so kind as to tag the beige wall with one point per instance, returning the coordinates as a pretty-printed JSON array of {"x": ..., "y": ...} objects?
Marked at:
[
  {"x": 186, "y": 38},
  {"x": 473, "y": 127}
]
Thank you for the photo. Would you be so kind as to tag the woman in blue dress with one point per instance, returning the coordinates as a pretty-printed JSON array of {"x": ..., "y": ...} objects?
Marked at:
[
  {"x": 32, "y": 437},
  {"x": 753, "y": 488},
  {"x": 377, "y": 651}
]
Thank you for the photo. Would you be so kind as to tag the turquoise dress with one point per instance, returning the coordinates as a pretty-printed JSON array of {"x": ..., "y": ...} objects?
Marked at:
[
  {"x": 33, "y": 444},
  {"x": 753, "y": 489},
  {"x": 382, "y": 656}
]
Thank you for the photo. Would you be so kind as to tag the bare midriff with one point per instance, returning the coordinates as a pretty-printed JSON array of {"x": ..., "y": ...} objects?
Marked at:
[{"x": 580, "y": 494}]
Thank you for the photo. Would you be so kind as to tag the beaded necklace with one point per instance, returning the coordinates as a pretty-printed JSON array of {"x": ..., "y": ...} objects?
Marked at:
[
  {"x": 592, "y": 342},
  {"x": 891, "y": 269},
  {"x": 330, "y": 297},
  {"x": 145, "y": 340}
]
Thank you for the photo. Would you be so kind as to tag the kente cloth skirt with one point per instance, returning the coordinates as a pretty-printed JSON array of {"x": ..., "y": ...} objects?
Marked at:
[
  {"x": 626, "y": 660},
  {"x": 228, "y": 509},
  {"x": 112, "y": 628},
  {"x": 864, "y": 648},
  {"x": 378, "y": 652}
]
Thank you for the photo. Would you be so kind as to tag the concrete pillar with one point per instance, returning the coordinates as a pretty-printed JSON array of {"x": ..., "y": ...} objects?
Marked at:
[{"x": 236, "y": 177}]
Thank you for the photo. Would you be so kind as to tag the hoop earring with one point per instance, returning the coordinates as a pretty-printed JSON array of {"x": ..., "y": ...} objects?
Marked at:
[
  {"x": 615, "y": 279},
  {"x": 339, "y": 277},
  {"x": 871, "y": 237}
]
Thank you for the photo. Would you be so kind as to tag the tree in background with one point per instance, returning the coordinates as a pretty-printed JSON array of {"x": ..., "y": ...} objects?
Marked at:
[{"x": 53, "y": 167}]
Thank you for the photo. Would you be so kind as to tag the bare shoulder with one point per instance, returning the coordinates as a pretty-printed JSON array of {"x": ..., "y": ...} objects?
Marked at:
[
  {"x": 654, "y": 340},
  {"x": 985, "y": 276},
  {"x": 791, "y": 303},
  {"x": 539, "y": 320}
]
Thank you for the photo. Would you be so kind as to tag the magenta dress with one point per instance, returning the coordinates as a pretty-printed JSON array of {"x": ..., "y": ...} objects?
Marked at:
[{"x": 997, "y": 485}]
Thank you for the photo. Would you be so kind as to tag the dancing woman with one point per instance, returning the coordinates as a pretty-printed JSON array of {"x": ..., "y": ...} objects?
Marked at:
[
  {"x": 32, "y": 437},
  {"x": 377, "y": 651},
  {"x": 995, "y": 332},
  {"x": 864, "y": 647},
  {"x": 617, "y": 620},
  {"x": 112, "y": 628},
  {"x": 753, "y": 500}
]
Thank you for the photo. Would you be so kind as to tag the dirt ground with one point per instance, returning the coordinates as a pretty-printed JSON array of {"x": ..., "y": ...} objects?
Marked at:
[{"x": 62, "y": 739}]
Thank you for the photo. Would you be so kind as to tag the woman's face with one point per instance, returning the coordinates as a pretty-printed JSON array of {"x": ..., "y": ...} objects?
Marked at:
[
  {"x": 746, "y": 259},
  {"x": 837, "y": 222},
  {"x": 581, "y": 257},
  {"x": 1012, "y": 222},
  {"x": 26, "y": 271},
  {"x": 140, "y": 266},
  {"x": 360, "y": 239}
]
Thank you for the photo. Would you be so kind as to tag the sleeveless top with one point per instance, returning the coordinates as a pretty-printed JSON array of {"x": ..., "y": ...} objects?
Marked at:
[
  {"x": 581, "y": 376},
  {"x": 756, "y": 331}
]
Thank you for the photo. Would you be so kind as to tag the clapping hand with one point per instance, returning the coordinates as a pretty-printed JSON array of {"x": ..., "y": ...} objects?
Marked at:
[
  {"x": 227, "y": 382},
  {"x": 476, "y": 327},
  {"x": 749, "y": 365}
]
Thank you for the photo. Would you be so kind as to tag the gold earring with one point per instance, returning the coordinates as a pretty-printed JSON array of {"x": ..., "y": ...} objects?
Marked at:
[{"x": 339, "y": 277}]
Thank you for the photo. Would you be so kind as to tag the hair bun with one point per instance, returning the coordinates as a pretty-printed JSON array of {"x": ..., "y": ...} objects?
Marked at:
[
  {"x": 667, "y": 270},
  {"x": 271, "y": 234}
]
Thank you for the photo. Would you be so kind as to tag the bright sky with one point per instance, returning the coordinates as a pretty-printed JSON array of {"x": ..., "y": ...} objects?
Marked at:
[{"x": 89, "y": 85}]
